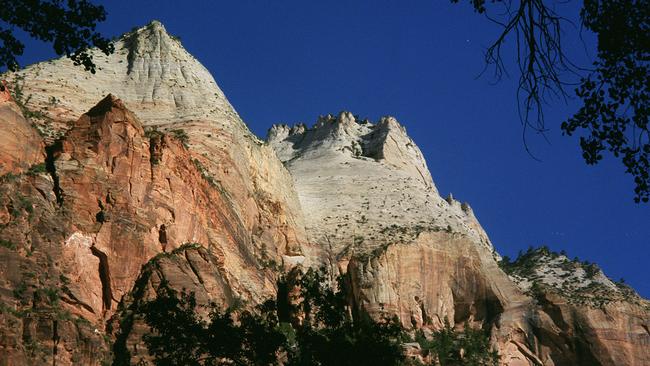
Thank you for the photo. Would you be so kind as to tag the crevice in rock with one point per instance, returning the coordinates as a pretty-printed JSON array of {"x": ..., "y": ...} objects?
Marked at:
[
  {"x": 493, "y": 309},
  {"x": 156, "y": 147},
  {"x": 104, "y": 277},
  {"x": 41, "y": 192},
  {"x": 426, "y": 319},
  {"x": 55, "y": 340},
  {"x": 196, "y": 273},
  {"x": 72, "y": 300},
  {"x": 50, "y": 152},
  {"x": 162, "y": 236},
  {"x": 126, "y": 316},
  {"x": 131, "y": 43},
  {"x": 101, "y": 215}
]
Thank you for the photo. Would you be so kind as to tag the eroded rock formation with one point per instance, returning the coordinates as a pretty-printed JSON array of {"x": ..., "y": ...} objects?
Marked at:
[{"x": 112, "y": 183}]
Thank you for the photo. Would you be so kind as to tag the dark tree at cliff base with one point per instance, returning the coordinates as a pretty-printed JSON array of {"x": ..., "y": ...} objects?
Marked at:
[
  {"x": 614, "y": 91},
  {"x": 69, "y": 25},
  {"x": 310, "y": 323}
]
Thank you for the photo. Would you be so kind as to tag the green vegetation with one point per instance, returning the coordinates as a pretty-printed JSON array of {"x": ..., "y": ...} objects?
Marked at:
[
  {"x": 7, "y": 244},
  {"x": 181, "y": 136},
  {"x": 580, "y": 282},
  {"x": 613, "y": 92},
  {"x": 182, "y": 337},
  {"x": 20, "y": 291},
  {"x": 469, "y": 347},
  {"x": 317, "y": 328},
  {"x": 151, "y": 132},
  {"x": 20, "y": 204},
  {"x": 205, "y": 174},
  {"x": 155, "y": 138},
  {"x": 265, "y": 261},
  {"x": 37, "y": 169},
  {"x": 69, "y": 26},
  {"x": 172, "y": 253},
  {"x": 51, "y": 294},
  {"x": 22, "y": 100},
  {"x": 9, "y": 177}
]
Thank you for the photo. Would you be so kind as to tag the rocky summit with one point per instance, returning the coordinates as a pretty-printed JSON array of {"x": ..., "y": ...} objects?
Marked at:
[{"x": 113, "y": 183}]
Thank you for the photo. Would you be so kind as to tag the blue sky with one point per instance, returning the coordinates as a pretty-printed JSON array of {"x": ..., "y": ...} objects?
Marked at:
[{"x": 290, "y": 61}]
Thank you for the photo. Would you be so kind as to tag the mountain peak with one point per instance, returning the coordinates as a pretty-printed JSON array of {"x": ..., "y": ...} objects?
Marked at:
[
  {"x": 155, "y": 24},
  {"x": 350, "y": 173},
  {"x": 580, "y": 282},
  {"x": 153, "y": 27},
  {"x": 347, "y": 134},
  {"x": 149, "y": 71}
]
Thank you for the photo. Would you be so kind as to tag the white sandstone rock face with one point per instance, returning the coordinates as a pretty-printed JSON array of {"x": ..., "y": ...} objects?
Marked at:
[
  {"x": 347, "y": 193},
  {"x": 150, "y": 72},
  {"x": 363, "y": 185},
  {"x": 371, "y": 206},
  {"x": 169, "y": 90},
  {"x": 580, "y": 282}
]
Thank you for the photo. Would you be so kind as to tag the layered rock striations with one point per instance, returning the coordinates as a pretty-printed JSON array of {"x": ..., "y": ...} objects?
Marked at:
[
  {"x": 366, "y": 186},
  {"x": 170, "y": 91},
  {"x": 377, "y": 215},
  {"x": 97, "y": 186},
  {"x": 109, "y": 198},
  {"x": 582, "y": 316},
  {"x": 111, "y": 184}
]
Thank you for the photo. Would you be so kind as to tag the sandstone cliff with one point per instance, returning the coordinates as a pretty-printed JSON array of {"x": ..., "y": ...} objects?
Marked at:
[
  {"x": 112, "y": 183},
  {"x": 95, "y": 196}
]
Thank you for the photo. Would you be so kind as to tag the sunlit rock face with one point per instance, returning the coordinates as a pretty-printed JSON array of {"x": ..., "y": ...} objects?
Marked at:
[
  {"x": 581, "y": 316},
  {"x": 113, "y": 183},
  {"x": 167, "y": 89},
  {"x": 366, "y": 185},
  {"x": 107, "y": 183},
  {"x": 375, "y": 213}
]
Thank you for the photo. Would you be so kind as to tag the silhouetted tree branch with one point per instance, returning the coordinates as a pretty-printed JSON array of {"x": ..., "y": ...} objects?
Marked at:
[
  {"x": 69, "y": 25},
  {"x": 615, "y": 94},
  {"x": 313, "y": 326}
]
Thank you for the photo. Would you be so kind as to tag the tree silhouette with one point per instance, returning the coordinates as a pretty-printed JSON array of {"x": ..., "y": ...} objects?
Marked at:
[
  {"x": 69, "y": 25},
  {"x": 616, "y": 95},
  {"x": 450, "y": 348},
  {"x": 615, "y": 92},
  {"x": 328, "y": 324},
  {"x": 311, "y": 323},
  {"x": 180, "y": 336},
  {"x": 327, "y": 335}
]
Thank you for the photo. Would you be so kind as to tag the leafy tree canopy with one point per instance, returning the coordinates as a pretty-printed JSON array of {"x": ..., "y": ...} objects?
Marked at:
[
  {"x": 469, "y": 347},
  {"x": 317, "y": 327},
  {"x": 614, "y": 92},
  {"x": 69, "y": 25}
]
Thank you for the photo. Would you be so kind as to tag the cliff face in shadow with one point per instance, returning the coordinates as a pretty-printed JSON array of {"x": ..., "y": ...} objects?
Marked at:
[{"x": 143, "y": 173}]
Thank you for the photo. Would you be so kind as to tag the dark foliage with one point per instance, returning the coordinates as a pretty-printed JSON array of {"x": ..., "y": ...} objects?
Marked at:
[
  {"x": 231, "y": 337},
  {"x": 469, "y": 347},
  {"x": 615, "y": 93},
  {"x": 616, "y": 96},
  {"x": 69, "y": 25},
  {"x": 315, "y": 327},
  {"x": 329, "y": 335}
]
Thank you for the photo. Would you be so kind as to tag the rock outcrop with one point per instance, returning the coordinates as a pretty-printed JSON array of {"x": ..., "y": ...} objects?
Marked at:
[
  {"x": 111, "y": 199},
  {"x": 365, "y": 186},
  {"x": 111, "y": 184},
  {"x": 377, "y": 215},
  {"x": 582, "y": 317}
]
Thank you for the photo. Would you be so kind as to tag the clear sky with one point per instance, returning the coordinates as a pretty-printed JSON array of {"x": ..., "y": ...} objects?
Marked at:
[{"x": 290, "y": 61}]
